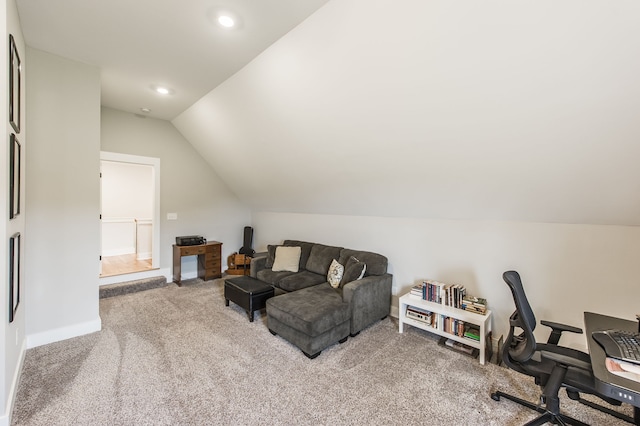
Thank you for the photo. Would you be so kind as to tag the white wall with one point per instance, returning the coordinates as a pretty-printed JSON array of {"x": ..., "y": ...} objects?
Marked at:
[
  {"x": 566, "y": 269},
  {"x": 188, "y": 185},
  {"x": 127, "y": 192},
  {"x": 492, "y": 110},
  {"x": 63, "y": 204},
  {"x": 450, "y": 136},
  {"x": 12, "y": 335}
]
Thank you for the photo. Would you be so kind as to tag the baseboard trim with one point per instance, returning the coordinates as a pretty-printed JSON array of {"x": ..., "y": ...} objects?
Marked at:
[
  {"x": 63, "y": 333},
  {"x": 5, "y": 419},
  {"x": 137, "y": 276},
  {"x": 394, "y": 312}
]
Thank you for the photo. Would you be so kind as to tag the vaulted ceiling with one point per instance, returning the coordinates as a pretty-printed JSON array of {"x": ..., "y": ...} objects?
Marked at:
[
  {"x": 142, "y": 44},
  {"x": 503, "y": 110}
]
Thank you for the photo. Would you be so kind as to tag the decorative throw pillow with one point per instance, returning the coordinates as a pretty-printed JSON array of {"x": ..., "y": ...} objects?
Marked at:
[
  {"x": 334, "y": 276},
  {"x": 287, "y": 259},
  {"x": 353, "y": 270}
]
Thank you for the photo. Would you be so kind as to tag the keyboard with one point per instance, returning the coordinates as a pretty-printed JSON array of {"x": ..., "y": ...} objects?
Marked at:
[{"x": 623, "y": 345}]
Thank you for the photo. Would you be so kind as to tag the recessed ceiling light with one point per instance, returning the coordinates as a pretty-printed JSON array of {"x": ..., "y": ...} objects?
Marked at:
[
  {"x": 162, "y": 90},
  {"x": 145, "y": 110},
  {"x": 226, "y": 21}
]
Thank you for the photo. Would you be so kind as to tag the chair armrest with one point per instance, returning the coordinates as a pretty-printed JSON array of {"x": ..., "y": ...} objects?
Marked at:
[
  {"x": 557, "y": 329},
  {"x": 258, "y": 263},
  {"x": 565, "y": 360}
]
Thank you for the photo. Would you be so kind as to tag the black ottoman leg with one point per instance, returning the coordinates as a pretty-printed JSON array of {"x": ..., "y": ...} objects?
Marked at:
[
  {"x": 343, "y": 340},
  {"x": 250, "y": 316},
  {"x": 226, "y": 302}
]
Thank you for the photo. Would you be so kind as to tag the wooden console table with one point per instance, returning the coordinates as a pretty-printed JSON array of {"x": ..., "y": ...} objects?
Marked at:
[{"x": 209, "y": 260}]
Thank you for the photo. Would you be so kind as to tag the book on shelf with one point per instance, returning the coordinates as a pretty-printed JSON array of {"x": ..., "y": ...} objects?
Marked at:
[
  {"x": 472, "y": 332},
  {"x": 459, "y": 347},
  {"x": 454, "y": 295},
  {"x": 453, "y": 325},
  {"x": 474, "y": 304}
]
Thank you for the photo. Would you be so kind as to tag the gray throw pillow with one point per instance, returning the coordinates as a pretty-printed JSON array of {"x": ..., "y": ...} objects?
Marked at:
[{"x": 353, "y": 270}]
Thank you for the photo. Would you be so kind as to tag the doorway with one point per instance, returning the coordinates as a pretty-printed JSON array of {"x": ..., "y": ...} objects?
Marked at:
[{"x": 130, "y": 225}]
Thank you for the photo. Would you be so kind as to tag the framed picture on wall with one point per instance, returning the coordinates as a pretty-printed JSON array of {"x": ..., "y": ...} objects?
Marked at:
[
  {"x": 14, "y": 177},
  {"x": 14, "y": 85},
  {"x": 14, "y": 275}
]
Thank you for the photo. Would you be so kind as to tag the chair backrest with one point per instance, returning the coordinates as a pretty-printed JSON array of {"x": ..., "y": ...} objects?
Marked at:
[{"x": 520, "y": 347}]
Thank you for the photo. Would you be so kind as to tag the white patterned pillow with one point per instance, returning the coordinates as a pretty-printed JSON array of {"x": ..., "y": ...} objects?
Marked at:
[{"x": 335, "y": 273}]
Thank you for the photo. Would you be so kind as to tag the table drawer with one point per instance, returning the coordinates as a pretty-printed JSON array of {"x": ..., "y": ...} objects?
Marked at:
[{"x": 191, "y": 251}]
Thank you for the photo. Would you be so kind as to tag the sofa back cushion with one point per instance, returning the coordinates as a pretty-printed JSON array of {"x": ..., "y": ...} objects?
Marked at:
[
  {"x": 305, "y": 250},
  {"x": 376, "y": 263},
  {"x": 321, "y": 257}
]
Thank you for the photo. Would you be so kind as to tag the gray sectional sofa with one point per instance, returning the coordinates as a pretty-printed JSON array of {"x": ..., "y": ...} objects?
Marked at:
[{"x": 309, "y": 312}]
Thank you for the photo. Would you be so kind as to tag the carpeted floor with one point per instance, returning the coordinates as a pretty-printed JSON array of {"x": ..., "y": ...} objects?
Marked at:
[{"x": 177, "y": 355}]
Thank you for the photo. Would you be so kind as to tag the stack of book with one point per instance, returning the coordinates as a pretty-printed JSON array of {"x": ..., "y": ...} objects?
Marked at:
[
  {"x": 460, "y": 347},
  {"x": 472, "y": 332},
  {"x": 430, "y": 290},
  {"x": 474, "y": 304}
]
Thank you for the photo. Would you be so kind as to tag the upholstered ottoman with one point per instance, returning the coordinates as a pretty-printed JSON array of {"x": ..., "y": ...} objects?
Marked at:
[
  {"x": 248, "y": 293},
  {"x": 312, "y": 318}
]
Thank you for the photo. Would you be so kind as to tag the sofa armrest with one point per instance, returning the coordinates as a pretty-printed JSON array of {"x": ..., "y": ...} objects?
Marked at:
[
  {"x": 370, "y": 300},
  {"x": 258, "y": 263}
]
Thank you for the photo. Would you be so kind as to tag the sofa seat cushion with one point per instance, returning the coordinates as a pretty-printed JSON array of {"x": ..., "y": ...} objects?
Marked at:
[
  {"x": 312, "y": 311},
  {"x": 376, "y": 263},
  {"x": 321, "y": 257},
  {"x": 273, "y": 278},
  {"x": 300, "y": 280}
]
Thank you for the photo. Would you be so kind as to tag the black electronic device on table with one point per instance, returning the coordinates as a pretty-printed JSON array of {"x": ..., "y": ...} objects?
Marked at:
[
  {"x": 190, "y": 240},
  {"x": 619, "y": 344}
]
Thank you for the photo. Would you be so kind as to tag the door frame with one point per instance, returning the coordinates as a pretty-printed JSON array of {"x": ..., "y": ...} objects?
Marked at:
[{"x": 155, "y": 165}]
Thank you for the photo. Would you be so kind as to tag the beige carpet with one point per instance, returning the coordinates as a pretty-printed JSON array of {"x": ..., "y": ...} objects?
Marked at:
[{"x": 178, "y": 356}]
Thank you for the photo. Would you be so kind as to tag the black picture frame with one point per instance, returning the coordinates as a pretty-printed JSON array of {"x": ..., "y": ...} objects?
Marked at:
[
  {"x": 14, "y": 275},
  {"x": 15, "y": 71},
  {"x": 14, "y": 176}
]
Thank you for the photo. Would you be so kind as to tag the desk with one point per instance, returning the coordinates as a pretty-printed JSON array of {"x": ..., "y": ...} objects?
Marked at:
[
  {"x": 609, "y": 384},
  {"x": 209, "y": 260}
]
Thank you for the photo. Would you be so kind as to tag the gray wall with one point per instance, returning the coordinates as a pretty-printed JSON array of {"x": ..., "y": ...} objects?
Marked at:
[
  {"x": 62, "y": 248},
  {"x": 188, "y": 185}
]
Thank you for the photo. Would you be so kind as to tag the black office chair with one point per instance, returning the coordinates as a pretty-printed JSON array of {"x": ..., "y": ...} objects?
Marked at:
[{"x": 552, "y": 366}]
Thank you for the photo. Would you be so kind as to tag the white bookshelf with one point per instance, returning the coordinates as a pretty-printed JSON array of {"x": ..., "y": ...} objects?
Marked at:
[{"x": 482, "y": 321}]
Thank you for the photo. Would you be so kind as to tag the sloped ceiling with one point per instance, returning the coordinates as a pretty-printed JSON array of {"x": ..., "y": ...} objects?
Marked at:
[
  {"x": 500, "y": 110},
  {"x": 140, "y": 44}
]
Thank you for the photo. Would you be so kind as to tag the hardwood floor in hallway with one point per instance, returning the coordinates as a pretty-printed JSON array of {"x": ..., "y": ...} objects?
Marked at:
[{"x": 123, "y": 264}]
